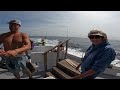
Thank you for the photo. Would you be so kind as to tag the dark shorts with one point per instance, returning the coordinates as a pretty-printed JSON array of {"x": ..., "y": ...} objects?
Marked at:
[{"x": 16, "y": 64}]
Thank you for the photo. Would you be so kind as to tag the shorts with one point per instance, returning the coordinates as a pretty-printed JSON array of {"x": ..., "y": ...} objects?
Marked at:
[{"x": 16, "y": 64}]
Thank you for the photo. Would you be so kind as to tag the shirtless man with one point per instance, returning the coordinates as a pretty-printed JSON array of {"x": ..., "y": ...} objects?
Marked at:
[{"x": 15, "y": 45}]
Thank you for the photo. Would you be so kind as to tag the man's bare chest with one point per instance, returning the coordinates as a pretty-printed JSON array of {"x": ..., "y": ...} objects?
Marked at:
[{"x": 13, "y": 39}]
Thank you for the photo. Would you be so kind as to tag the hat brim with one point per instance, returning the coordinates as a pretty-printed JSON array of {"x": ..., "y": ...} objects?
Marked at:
[
  {"x": 13, "y": 22},
  {"x": 96, "y": 34}
]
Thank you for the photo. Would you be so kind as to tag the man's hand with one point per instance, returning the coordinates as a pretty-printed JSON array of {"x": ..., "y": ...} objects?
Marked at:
[
  {"x": 76, "y": 77},
  {"x": 85, "y": 74},
  {"x": 2, "y": 52},
  {"x": 11, "y": 53}
]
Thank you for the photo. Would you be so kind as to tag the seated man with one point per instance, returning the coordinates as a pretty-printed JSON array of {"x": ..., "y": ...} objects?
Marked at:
[{"x": 15, "y": 45}]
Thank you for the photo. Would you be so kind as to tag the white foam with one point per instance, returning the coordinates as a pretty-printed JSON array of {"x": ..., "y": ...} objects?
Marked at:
[
  {"x": 75, "y": 52},
  {"x": 118, "y": 74},
  {"x": 116, "y": 62}
]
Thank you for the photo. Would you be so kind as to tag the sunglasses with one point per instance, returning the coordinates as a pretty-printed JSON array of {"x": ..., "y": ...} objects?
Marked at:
[{"x": 95, "y": 36}]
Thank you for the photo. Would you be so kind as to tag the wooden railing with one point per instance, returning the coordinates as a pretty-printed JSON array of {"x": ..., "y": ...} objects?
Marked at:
[{"x": 58, "y": 53}]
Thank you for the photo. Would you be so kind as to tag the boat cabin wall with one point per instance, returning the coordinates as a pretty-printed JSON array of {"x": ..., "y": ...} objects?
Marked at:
[{"x": 38, "y": 57}]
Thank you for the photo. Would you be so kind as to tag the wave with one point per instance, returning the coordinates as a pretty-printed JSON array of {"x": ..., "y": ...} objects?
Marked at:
[{"x": 72, "y": 50}]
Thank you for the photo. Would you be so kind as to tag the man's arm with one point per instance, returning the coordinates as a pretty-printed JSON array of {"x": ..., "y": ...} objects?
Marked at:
[
  {"x": 87, "y": 73},
  {"x": 2, "y": 52},
  {"x": 100, "y": 64},
  {"x": 27, "y": 44},
  {"x": 2, "y": 37}
]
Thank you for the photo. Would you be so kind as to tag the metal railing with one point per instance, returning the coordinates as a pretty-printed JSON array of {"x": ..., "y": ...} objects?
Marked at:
[{"x": 58, "y": 52}]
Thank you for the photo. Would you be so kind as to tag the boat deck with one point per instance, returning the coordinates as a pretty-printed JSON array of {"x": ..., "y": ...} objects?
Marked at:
[
  {"x": 108, "y": 74},
  {"x": 5, "y": 74}
]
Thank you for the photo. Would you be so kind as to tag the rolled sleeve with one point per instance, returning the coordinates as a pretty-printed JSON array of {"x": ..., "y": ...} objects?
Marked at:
[{"x": 104, "y": 59}]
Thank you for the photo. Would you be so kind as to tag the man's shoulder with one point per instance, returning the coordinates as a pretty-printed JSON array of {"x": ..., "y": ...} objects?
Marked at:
[
  {"x": 24, "y": 34},
  {"x": 109, "y": 48},
  {"x": 4, "y": 34}
]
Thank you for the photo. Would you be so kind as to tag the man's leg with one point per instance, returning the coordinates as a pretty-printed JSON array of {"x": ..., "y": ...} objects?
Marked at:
[
  {"x": 17, "y": 75},
  {"x": 24, "y": 67},
  {"x": 28, "y": 72}
]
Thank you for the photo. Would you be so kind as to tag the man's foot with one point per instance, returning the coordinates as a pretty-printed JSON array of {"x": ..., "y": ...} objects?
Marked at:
[{"x": 31, "y": 78}]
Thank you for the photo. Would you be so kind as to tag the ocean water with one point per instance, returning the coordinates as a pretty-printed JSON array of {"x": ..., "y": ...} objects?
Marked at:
[
  {"x": 72, "y": 47},
  {"x": 77, "y": 46}
]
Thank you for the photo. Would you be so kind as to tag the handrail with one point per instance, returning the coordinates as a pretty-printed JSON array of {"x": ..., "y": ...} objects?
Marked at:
[
  {"x": 57, "y": 58},
  {"x": 56, "y": 46}
]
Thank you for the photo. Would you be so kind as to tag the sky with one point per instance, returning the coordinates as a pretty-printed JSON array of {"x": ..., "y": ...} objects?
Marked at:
[{"x": 63, "y": 23}]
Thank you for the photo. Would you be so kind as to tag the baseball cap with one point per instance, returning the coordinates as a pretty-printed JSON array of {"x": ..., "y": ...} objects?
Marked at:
[
  {"x": 15, "y": 21},
  {"x": 95, "y": 32}
]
